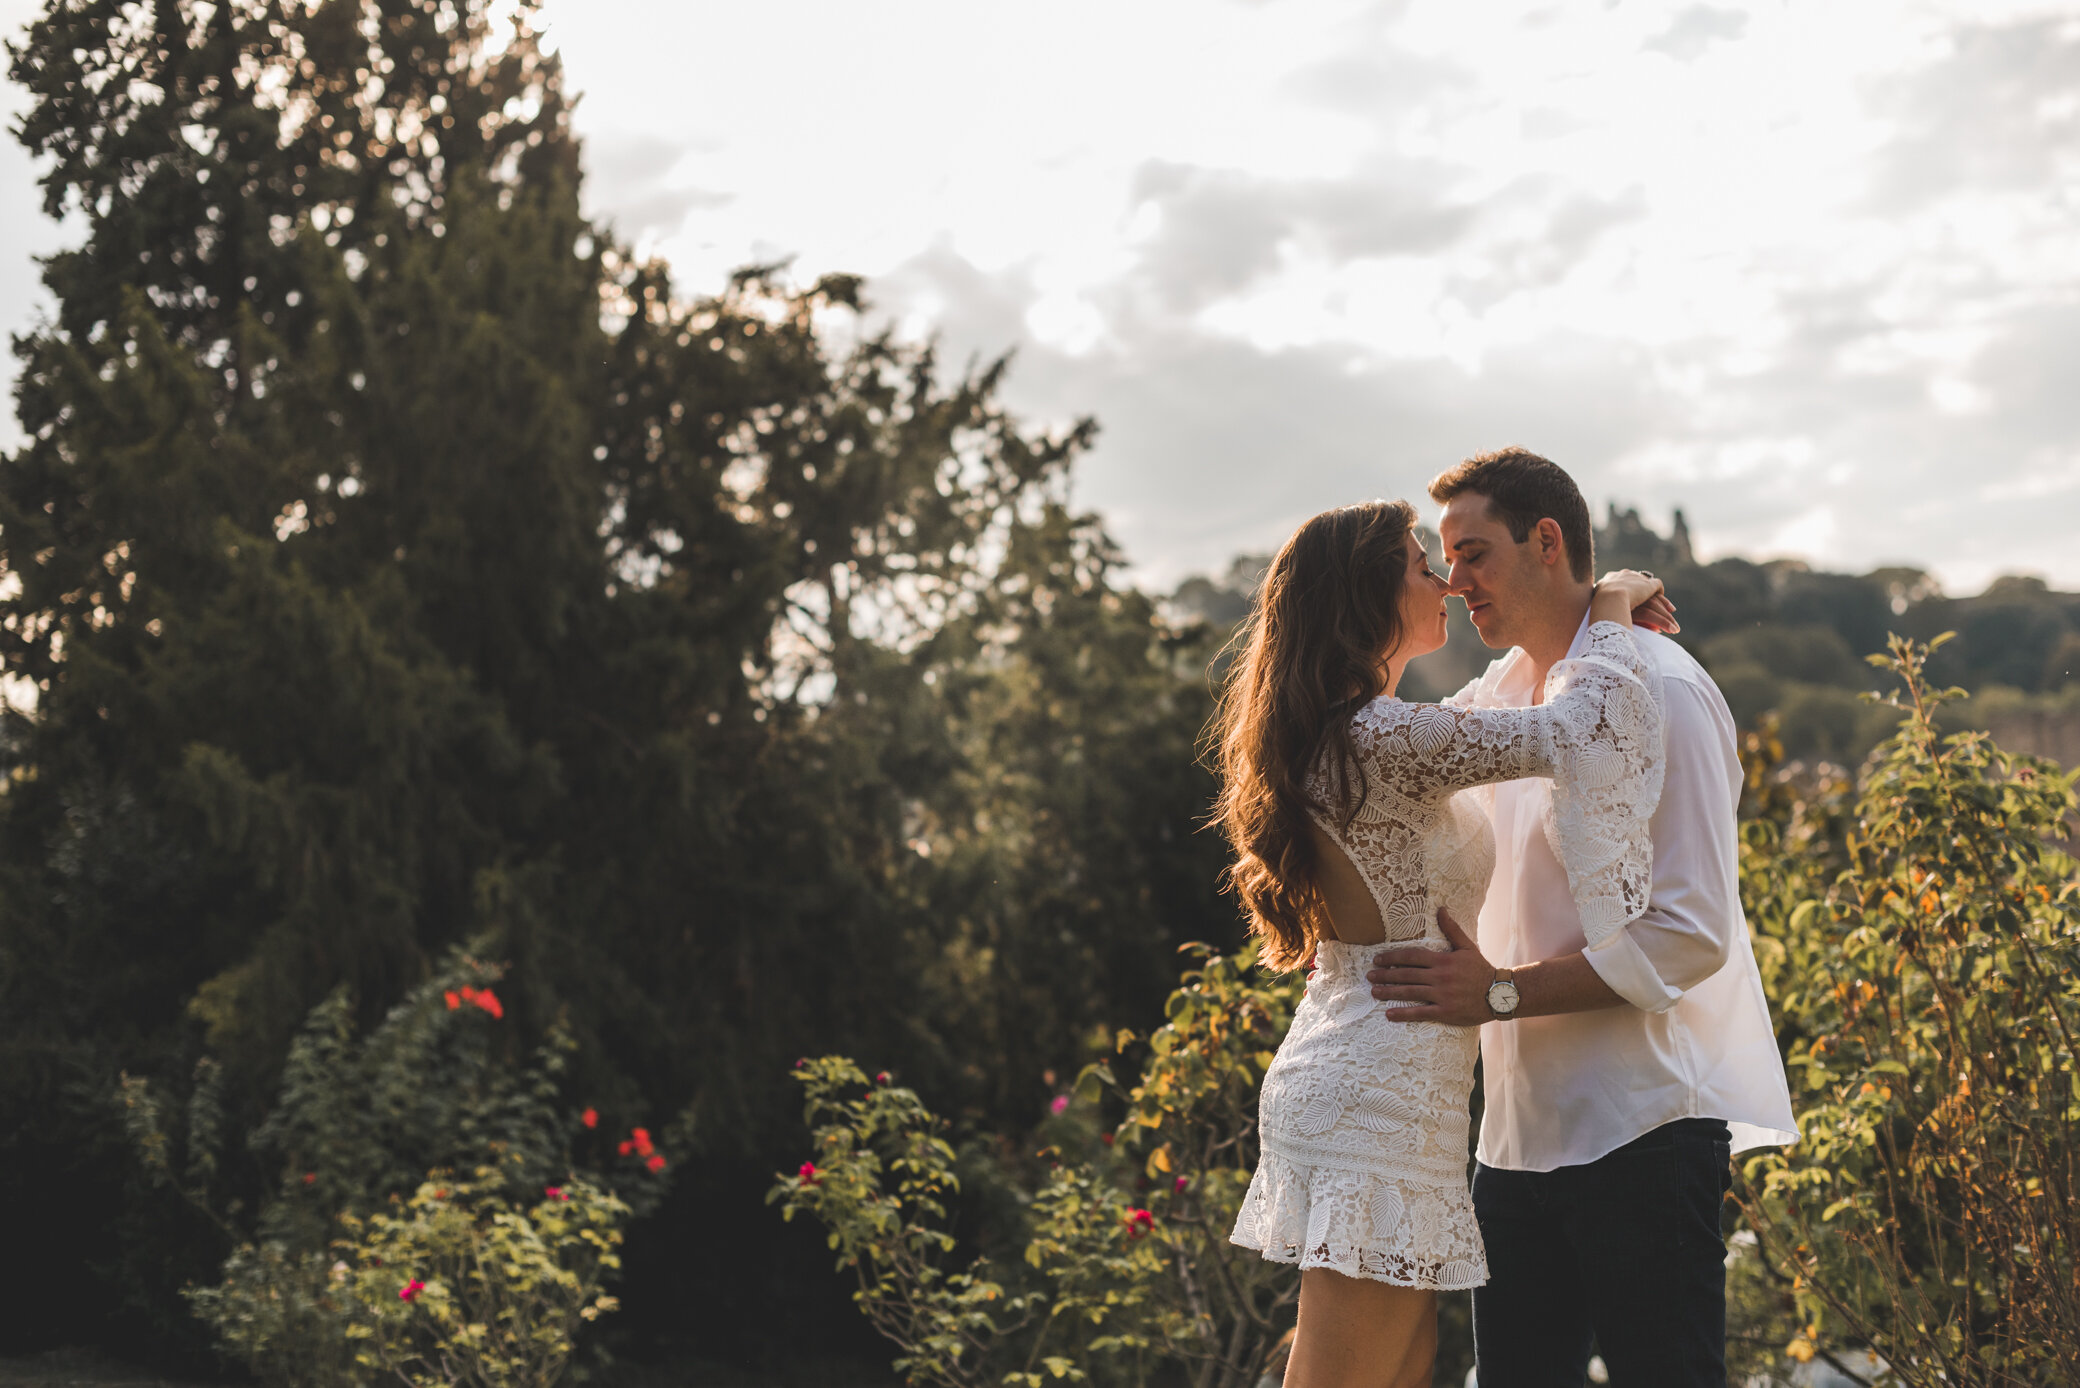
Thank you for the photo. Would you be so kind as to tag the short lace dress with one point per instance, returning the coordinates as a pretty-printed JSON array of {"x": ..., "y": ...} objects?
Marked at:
[{"x": 1362, "y": 1121}]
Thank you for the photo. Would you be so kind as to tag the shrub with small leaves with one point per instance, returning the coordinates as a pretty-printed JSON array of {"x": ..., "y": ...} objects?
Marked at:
[
  {"x": 461, "y": 1285},
  {"x": 361, "y": 1266},
  {"x": 880, "y": 1181},
  {"x": 1921, "y": 950},
  {"x": 1127, "y": 1264}
]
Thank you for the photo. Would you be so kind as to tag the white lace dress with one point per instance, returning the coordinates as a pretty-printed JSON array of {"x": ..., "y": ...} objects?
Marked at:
[{"x": 1363, "y": 1121}]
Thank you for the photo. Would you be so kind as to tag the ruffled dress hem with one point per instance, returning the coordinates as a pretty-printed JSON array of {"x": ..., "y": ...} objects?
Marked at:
[{"x": 1362, "y": 1224}]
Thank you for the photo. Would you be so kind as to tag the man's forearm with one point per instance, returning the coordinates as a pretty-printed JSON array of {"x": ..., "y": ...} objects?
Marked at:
[{"x": 1563, "y": 984}]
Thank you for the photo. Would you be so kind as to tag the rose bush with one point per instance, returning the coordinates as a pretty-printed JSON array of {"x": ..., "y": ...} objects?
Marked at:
[
  {"x": 1124, "y": 1254},
  {"x": 432, "y": 1221}
]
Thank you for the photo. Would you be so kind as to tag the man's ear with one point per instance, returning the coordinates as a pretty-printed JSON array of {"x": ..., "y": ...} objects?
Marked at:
[{"x": 1552, "y": 546}]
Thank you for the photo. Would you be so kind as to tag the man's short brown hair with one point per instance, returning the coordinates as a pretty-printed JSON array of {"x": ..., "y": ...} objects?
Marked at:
[{"x": 1524, "y": 489}]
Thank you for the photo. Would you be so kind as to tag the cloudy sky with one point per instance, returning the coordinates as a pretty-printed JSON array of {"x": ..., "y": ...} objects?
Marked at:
[{"x": 1808, "y": 271}]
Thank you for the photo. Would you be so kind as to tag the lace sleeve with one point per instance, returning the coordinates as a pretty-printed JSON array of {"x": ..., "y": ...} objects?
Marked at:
[
  {"x": 1605, "y": 745},
  {"x": 1424, "y": 750}
]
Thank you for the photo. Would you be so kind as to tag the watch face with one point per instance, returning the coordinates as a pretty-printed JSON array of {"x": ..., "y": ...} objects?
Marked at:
[{"x": 1502, "y": 998}]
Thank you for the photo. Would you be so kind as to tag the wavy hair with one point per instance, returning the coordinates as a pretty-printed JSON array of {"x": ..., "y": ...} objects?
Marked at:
[{"x": 1327, "y": 610}]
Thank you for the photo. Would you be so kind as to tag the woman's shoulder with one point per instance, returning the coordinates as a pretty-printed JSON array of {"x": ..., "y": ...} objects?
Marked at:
[{"x": 1381, "y": 711}]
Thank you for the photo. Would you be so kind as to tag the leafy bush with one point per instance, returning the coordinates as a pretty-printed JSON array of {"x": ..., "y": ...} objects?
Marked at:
[
  {"x": 458, "y": 1284},
  {"x": 371, "y": 1260},
  {"x": 1126, "y": 1259},
  {"x": 1921, "y": 948}
]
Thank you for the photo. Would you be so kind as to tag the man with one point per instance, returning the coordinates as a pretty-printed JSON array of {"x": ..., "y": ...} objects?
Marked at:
[{"x": 1618, "y": 1079}]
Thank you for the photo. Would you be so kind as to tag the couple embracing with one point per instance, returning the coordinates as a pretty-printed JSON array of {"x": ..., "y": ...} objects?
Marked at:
[{"x": 1539, "y": 872}]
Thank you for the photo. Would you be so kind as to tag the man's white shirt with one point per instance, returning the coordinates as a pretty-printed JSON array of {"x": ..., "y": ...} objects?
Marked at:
[{"x": 1695, "y": 1041}]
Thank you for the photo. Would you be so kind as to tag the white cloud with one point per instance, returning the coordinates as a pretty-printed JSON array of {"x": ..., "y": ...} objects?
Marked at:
[{"x": 1773, "y": 264}]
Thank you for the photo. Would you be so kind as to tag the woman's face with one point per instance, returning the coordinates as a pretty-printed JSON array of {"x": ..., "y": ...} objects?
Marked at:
[{"x": 1422, "y": 604}]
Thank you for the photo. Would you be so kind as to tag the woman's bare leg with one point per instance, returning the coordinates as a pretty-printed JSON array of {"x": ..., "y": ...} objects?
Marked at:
[{"x": 1359, "y": 1334}]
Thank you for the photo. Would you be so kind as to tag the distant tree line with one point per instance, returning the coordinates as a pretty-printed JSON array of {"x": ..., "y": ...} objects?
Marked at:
[{"x": 1788, "y": 641}]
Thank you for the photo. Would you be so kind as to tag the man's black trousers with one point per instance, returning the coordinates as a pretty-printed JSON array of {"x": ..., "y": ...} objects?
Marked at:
[{"x": 1623, "y": 1252}]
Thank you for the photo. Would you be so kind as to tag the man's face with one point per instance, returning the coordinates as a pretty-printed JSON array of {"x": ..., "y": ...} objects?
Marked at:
[{"x": 1497, "y": 575}]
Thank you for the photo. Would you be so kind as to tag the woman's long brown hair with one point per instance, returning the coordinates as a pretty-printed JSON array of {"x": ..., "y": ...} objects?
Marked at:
[{"x": 1328, "y": 608}]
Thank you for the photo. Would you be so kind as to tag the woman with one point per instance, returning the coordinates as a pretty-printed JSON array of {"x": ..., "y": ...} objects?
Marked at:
[{"x": 1341, "y": 804}]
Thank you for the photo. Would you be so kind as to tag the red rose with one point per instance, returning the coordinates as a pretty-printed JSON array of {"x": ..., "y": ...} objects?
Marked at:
[
  {"x": 656, "y": 1162},
  {"x": 590, "y": 1118}
]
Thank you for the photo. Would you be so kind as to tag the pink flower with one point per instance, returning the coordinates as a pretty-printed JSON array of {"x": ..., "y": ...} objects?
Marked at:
[
  {"x": 410, "y": 1289},
  {"x": 809, "y": 1173},
  {"x": 882, "y": 1078},
  {"x": 1182, "y": 1182},
  {"x": 1139, "y": 1222},
  {"x": 556, "y": 1192},
  {"x": 1061, "y": 1103}
]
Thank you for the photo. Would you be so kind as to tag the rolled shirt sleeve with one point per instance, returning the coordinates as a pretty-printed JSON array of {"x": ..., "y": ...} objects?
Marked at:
[{"x": 1688, "y": 930}]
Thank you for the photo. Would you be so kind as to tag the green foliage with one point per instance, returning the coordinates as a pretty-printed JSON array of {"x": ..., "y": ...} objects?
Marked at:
[
  {"x": 879, "y": 1180},
  {"x": 320, "y": 1288},
  {"x": 1921, "y": 948},
  {"x": 1191, "y": 1119},
  {"x": 459, "y": 1284},
  {"x": 1126, "y": 1261}
]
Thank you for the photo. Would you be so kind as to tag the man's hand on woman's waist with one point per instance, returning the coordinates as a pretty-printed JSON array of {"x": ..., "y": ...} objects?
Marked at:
[{"x": 1451, "y": 986}]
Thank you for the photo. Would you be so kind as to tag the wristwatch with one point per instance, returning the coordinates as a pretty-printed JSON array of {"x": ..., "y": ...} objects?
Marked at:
[{"x": 1502, "y": 996}]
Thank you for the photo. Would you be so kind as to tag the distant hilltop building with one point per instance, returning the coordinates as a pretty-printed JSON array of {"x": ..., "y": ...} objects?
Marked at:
[{"x": 1624, "y": 541}]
